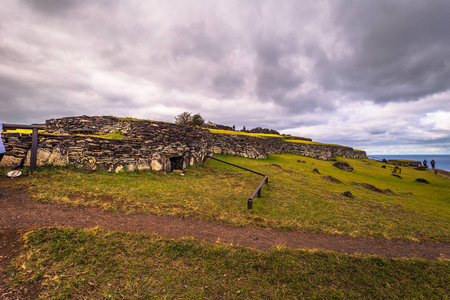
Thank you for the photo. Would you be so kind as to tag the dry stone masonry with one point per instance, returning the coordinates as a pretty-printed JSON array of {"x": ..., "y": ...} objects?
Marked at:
[{"x": 147, "y": 145}]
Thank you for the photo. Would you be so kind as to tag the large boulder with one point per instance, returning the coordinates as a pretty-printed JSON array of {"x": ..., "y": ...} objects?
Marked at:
[{"x": 42, "y": 157}]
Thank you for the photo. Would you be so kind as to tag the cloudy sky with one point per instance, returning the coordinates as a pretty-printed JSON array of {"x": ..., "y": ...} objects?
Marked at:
[{"x": 374, "y": 75}]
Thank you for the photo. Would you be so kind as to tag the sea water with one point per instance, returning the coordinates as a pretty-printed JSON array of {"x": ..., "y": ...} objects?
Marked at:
[{"x": 442, "y": 161}]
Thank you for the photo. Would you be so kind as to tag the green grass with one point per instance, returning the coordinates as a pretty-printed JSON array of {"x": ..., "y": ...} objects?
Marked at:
[
  {"x": 96, "y": 264},
  {"x": 263, "y": 135},
  {"x": 311, "y": 143},
  {"x": 110, "y": 135},
  {"x": 24, "y": 131},
  {"x": 136, "y": 119},
  {"x": 295, "y": 199},
  {"x": 244, "y": 133},
  {"x": 404, "y": 160}
]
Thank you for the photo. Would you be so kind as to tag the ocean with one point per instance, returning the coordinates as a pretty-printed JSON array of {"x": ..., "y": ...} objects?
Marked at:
[{"x": 442, "y": 161}]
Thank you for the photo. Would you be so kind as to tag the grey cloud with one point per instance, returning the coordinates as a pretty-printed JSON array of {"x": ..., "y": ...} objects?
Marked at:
[
  {"x": 399, "y": 50},
  {"x": 227, "y": 85},
  {"x": 284, "y": 64},
  {"x": 276, "y": 75},
  {"x": 193, "y": 41},
  {"x": 54, "y": 7}
]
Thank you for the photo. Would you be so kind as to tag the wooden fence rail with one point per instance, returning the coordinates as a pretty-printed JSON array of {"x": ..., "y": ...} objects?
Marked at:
[
  {"x": 34, "y": 140},
  {"x": 257, "y": 192}
]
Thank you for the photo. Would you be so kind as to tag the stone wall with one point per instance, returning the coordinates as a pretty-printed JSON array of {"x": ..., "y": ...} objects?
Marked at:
[
  {"x": 17, "y": 146},
  {"x": 324, "y": 152},
  {"x": 246, "y": 146},
  {"x": 148, "y": 145},
  {"x": 404, "y": 163}
]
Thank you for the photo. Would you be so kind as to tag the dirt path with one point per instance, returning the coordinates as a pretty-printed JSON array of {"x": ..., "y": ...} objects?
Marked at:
[{"x": 19, "y": 214}]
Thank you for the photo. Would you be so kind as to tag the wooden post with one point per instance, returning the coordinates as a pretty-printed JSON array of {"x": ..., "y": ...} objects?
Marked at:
[{"x": 33, "y": 156}]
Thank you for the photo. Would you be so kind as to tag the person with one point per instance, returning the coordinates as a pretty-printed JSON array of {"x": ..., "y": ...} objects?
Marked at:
[
  {"x": 433, "y": 163},
  {"x": 425, "y": 163},
  {"x": 2, "y": 147}
]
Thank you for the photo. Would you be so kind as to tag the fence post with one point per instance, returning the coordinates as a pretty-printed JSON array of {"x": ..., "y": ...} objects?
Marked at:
[{"x": 33, "y": 156}]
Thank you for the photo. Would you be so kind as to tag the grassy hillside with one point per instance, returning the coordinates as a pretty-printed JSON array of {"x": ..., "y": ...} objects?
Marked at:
[
  {"x": 296, "y": 198},
  {"x": 97, "y": 264}
]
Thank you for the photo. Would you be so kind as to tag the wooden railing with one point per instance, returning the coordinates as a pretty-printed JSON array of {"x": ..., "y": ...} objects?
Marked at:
[
  {"x": 34, "y": 140},
  {"x": 257, "y": 192}
]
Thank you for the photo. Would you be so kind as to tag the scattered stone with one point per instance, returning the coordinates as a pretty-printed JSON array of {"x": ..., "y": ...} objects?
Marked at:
[
  {"x": 331, "y": 178},
  {"x": 301, "y": 161},
  {"x": 315, "y": 171},
  {"x": 347, "y": 194},
  {"x": 398, "y": 176},
  {"x": 383, "y": 166},
  {"x": 276, "y": 166},
  {"x": 371, "y": 187},
  {"x": 343, "y": 166},
  {"x": 422, "y": 180},
  {"x": 388, "y": 191},
  {"x": 397, "y": 169}
]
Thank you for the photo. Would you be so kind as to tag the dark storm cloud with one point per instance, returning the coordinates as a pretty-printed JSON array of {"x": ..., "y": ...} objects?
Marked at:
[
  {"x": 54, "y": 7},
  {"x": 339, "y": 71},
  {"x": 275, "y": 70},
  {"x": 398, "y": 50}
]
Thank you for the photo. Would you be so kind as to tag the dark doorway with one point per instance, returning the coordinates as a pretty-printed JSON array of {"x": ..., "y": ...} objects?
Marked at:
[{"x": 177, "y": 163}]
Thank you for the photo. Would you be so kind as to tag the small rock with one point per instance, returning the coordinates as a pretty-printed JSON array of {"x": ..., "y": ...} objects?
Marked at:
[
  {"x": 383, "y": 166},
  {"x": 371, "y": 187},
  {"x": 343, "y": 166},
  {"x": 301, "y": 161},
  {"x": 397, "y": 176},
  {"x": 331, "y": 178},
  {"x": 316, "y": 171},
  {"x": 347, "y": 194},
  {"x": 276, "y": 166},
  {"x": 422, "y": 180}
]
